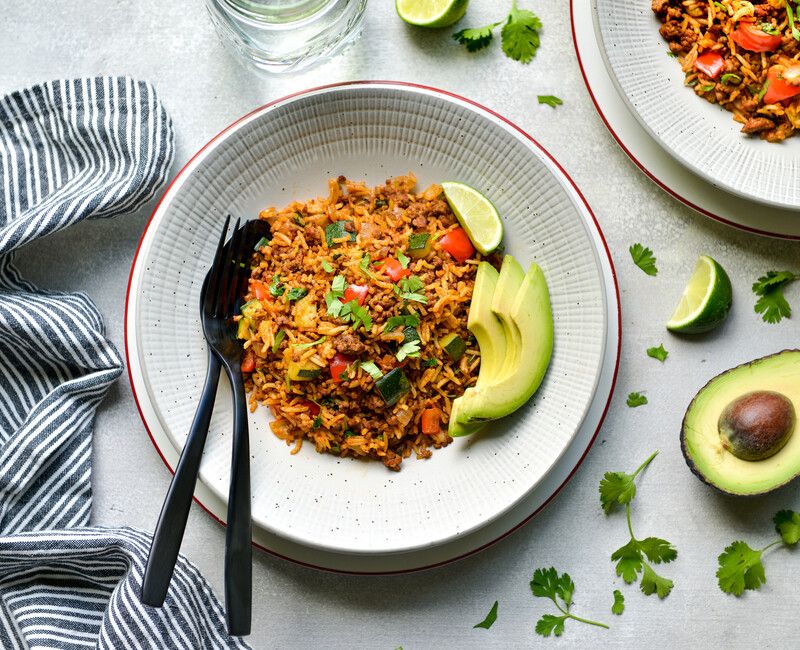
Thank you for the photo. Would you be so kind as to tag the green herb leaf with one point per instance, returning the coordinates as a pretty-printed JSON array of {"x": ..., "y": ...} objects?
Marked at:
[
  {"x": 787, "y": 523},
  {"x": 772, "y": 304},
  {"x": 619, "y": 603},
  {"x": 276, "y": 287},
  {"x": 550, "y": 624},
  {"x": 546, "y": 583},
  {"x": 636, "y": 399},
  {"x": 326, "y": 266},
  {"x": 261, "y": 243},
  {"x": 658, "y": 353},
  {"x": 303, "y": 346},
  {"x": 672, "y": 54},
  {"x": 734, "y": 78},
  {"x": 363, "y": 266},
  {"x": 296, "y": 293},
  {"x": 317, "y": 422},
  {"x": 707, "y": 88},
  {"x": 491, "y": 617},
  {"x": 644, "y": 259},
  {"x": 550, "y": 100},
  {"x": 618, "y": 488},
  {"x": 418, "y": 241},
  {"x": 763, "y": 91},
  {"x": 371, "y": 369},
  {"x": 409, "y": 287},
  {"x": 740, "y": 568},
  {"x": 430, "y": 363},
  {"x": 357, "y": 314},
  {"x": 409, "y": 349},
  {"x": 279, "y": 336},
  {"x": 520, "y": 34},
  {"x": 769, "y": 28},
  {"x": 652, "y": 583},
  {"x": 409, "y": 320},
  {"x": 403, "y": 259},
  {"x": 475, "y": 38}
]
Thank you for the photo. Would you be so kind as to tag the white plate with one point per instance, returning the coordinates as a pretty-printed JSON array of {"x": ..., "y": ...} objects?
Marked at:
[
  {"x": 651, "y": 158},
  {"x": 698, "y": 134},
  {"x": 286, "y": 151}
]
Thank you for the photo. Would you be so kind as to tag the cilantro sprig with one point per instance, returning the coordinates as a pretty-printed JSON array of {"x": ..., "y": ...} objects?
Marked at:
[
  {"x": 409, "y": 289},
  {"x": 546, "y": 583},
  {"x": 772, "y": 304},
  {"x": 643, "y": 258},
  {"x": 634, "y": 557},
  {"x": 491, "y": 617},
  {"x": 658, "y": 353},
  {"x": 519, "y": 35},
  {"x": 636, "y": 399},
  {"x": 740, "y": 566}
]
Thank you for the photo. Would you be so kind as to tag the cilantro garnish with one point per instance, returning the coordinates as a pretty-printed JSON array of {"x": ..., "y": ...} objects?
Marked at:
[
  {"x": 550, "y": 100},
  {"x": 409, "y": 349},
  {"x": 303, "y": 346},
  {"x": 547, "y": 583},
  {"x": 618, "y": 488},
  {"x": 326, "y": 266},
  {"x": 491, "y": 617},
  {"x": 740, "y": 567},
  {"x": 281, "y": 334},
  {"x": 403, "y": 259},
  {"x": 408, "y": 320},
  {"x": 317, "y": 422},
  {"x": 475, "y": 38},
  {"x": 363, "y": 266},
  {"x": 276, "y": 287},
  {"x": 430, "y": 363},
  {"x": 771, "y": 303},
  {"x": 332, "y": 298},
  {"x": 636, "y": 399},
  {"x": 619, "y": 603},
  {"x": 520, "y": 34},
  {"x": 408, "y": 289},
  {"x": 790, "y": 16},
  {"x": 644, "y": 259},
  {"x": 357, "y": 314},
  {"x": 658, "y": 353},
  {"x": 371, "y": 369},
  {"x": 296, "y": 293}
]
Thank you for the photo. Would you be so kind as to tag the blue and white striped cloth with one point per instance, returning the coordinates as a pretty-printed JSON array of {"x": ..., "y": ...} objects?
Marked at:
[{"x": 73, "y": 150}]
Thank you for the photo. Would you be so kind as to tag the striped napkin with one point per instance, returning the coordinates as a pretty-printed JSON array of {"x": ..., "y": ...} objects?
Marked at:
[{"x": 73, "y": 150}]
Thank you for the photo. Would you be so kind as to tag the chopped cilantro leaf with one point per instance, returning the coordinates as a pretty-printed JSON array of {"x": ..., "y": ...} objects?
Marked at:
[
  {"x": 403, "y": 259},
  {"x": 409, "y": 349},
  {"x": 619, "y": 603},
  {"x": 278, "y": 340},
  {"x": 409, "y": 320},
  {"x": 326, "y": 266},
  {"x": 363, "y": 266},
  {"x": 475, "y": 38},
  {"x": 644, "y": 259},
  {"x": 636, "y": 399},
  {"x": 658, "y": 353},
  {"x": 787, "y": 523},
  {"x": 550, "y": 100},
  {"x": 371, "y": 369},
  {"x": 276, "y": 287},
  {"x": 491, "y": 617},
  {"x": 296, "y": 293},
  {"x": 303, "y": 346}
]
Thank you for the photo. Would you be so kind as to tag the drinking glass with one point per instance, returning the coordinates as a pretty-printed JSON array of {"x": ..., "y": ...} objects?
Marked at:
[{"x": 286, "y": 35}]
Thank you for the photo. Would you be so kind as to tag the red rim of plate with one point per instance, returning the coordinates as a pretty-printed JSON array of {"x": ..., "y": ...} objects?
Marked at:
[
  {"x": 538, "y": 146},
  {"x": 645, "y": 170}
]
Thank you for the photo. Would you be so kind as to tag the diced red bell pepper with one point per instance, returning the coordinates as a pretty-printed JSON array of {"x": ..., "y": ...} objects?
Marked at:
[
  {"x": 457, "y": 243},
  {"x": 339, "y": 365},
  {"x": 356, "y": 292},
  {"x": 431, "y": 421},
  {"x": 260, "y": 289},
  {"x": 751, "y": 37},
  {"x": 394, "y": 270},
  {"x": 711, "y": 64},
  {"x": 779, "y": 87},
  {"x": 313, "y": 409},
  {"x": 248, "y": 361}
]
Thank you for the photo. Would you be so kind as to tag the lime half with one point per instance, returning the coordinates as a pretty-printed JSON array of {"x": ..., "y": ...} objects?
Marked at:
[
  {"x": 476, "y": 214},
  {"x": 706, "y": 300},
  {"x": 431, "y": 13}
]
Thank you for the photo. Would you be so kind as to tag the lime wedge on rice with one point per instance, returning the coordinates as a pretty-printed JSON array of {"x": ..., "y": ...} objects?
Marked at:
[
  {"x": 476, "y": 214},
  {"x": 706, "y": 300},
  {"x": 431, "y": 13}
]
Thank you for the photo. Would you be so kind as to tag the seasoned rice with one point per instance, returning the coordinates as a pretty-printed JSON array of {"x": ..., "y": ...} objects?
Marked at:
[
  {"x": 694, "y": 28},
  {"x": 349, "y": 417}
]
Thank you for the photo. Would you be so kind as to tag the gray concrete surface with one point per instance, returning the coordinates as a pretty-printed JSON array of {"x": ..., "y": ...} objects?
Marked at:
[{"x": 173, "y": 45}]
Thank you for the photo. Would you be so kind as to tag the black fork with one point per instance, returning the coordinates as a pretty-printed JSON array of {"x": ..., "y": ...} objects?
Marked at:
[{"x": 219, "y": 300}]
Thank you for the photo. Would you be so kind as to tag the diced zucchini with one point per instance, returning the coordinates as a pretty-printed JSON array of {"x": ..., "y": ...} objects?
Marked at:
[
  {"x": 250, "y": 308},
  {"x": 243, "y": 332},
  {"x": 410, "y": 334},
  {"x": 337, "y": 230},
  {"x": 261, "y": 243},
  {"x": 454, "y": 345},
  {"x": 393, "y": 385},
  {"x": 305, "y": 313},
  {"x": 302, "y": 371},
  {"x": 419, "y": 245}
]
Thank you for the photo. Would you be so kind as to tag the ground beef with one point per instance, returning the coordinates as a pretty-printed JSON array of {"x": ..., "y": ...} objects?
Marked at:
[
  {"x": 757, "y": 124},
  {"x": 392, "y": 460},
  {"x": 348, "y": 343}
]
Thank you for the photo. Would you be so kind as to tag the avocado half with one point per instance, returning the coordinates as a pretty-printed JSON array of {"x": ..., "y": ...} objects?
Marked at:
[{"x": 703, "y": 447}]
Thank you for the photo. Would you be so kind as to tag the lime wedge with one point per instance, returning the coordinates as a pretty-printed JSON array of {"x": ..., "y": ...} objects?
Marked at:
[
  {"x": 431, "y": 13},
  {"x": 476, "y": 214},
  {"x": 706, "y": 300}
]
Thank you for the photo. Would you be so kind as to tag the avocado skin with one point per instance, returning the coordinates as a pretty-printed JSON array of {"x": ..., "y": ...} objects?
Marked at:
[{"x": 687, "y": 454}]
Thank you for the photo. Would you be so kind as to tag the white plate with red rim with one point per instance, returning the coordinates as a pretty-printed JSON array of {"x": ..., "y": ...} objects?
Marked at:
[
  {"x": 650, "y": 157},
  {"x": 336, "y": 513},
  {"x": 697, "y": 134}
]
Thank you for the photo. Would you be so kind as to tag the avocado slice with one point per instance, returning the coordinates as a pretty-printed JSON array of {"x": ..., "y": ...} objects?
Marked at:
[
  {"x": 715, "y": 439},
  {"x": 528, "y": 313},
  {"x": 505, "y": 293},
  {"x": 485, "y": 326}
]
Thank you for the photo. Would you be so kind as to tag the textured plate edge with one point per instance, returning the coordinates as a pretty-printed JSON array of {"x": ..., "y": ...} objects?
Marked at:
[
  {"x": 640, "y": 164},
  {"x": 590, "y": 223}
]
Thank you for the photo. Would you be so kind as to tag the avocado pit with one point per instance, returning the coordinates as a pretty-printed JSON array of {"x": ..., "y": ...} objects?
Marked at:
[{"x": 757, "y": 425}]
